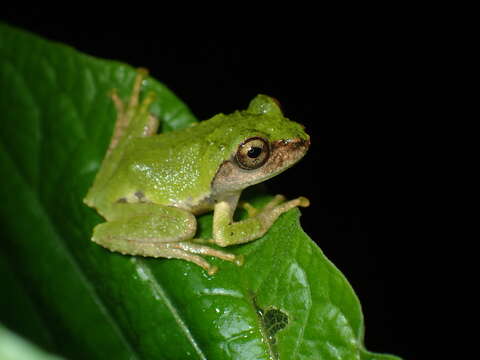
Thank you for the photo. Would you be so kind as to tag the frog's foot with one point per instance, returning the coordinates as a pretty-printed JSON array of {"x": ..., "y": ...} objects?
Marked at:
[
  {"x": 277, "y": 200},
  {"x": 184, "y": 250},
  {"x": 278, "y": 204},
  {"x": 133, "y": 116},
  {"x": 190, "y": 251},
  {"x": 253, "y": 211},
  {"x": 226, "y": 232}
]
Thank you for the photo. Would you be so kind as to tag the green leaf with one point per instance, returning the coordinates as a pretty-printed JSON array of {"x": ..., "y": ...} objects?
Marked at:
[{"x": 81, "y": 301}]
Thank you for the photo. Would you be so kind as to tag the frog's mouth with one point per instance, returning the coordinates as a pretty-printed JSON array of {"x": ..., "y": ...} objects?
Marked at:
[{"x": 283, "y": 154}]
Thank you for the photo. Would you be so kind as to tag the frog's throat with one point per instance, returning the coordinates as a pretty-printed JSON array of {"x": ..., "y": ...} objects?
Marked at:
[{"x": 283, "y": 154}]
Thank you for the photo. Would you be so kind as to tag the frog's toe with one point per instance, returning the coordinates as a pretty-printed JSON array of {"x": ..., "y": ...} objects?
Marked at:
[
  {"x": 251, "y": 211},
  {"x": 303, "y": 201},
  {"x": 239, "y": 260},
  {"x": 212, "y": 270},
  {"x": 278, "y": 199}
]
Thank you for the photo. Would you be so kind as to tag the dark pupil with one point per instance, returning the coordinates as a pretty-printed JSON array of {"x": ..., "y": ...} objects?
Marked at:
[{"x": 254, "y": 152}]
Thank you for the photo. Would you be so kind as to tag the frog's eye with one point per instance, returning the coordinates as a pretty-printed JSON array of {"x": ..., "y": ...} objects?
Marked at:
[{"x": 252, "y": 153}]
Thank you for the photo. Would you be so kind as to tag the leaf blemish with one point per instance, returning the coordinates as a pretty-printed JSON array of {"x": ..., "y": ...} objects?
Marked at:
[{"x": 272, "y": 320}]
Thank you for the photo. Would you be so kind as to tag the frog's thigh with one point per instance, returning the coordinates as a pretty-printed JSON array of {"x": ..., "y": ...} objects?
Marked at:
[{"x": 132, "y": 228}]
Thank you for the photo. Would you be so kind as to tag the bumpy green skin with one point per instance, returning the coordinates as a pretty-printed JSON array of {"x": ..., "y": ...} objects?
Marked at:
[
  {"x": 150, "y": 185},
  {"x": 180, "y": 165}
]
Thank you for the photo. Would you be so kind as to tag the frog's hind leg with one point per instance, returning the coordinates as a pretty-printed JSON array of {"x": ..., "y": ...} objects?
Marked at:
[
  {"x": 153, "y": 230},
  {"x": 133, "y": 117}
]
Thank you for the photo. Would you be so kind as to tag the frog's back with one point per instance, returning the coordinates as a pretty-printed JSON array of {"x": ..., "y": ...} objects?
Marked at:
[{"x": 164, "y": 169}]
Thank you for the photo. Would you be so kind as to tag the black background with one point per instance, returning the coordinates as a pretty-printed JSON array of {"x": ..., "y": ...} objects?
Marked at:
[{"x": 349, "y": 76}]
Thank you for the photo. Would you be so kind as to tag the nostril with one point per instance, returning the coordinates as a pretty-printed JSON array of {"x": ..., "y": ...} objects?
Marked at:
[{"x": 301, "y": 143}]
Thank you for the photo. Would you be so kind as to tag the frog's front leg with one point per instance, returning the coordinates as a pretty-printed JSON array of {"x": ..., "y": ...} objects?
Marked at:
[
  {"x": 153, "y": 230},
  {"x": 227, "y": 232}
]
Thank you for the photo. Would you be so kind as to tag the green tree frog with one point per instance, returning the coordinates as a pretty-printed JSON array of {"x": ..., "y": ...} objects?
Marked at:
[{"x": 150, "y": 186}]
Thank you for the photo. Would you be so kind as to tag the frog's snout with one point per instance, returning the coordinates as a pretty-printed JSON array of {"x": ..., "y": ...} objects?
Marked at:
[
  {"x": 301, "y": 143},
  {"x": 296, "y": 144}
]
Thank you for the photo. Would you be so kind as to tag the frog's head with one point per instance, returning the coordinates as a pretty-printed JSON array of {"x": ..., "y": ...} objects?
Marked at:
[{"x": 260, "y": 143}]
